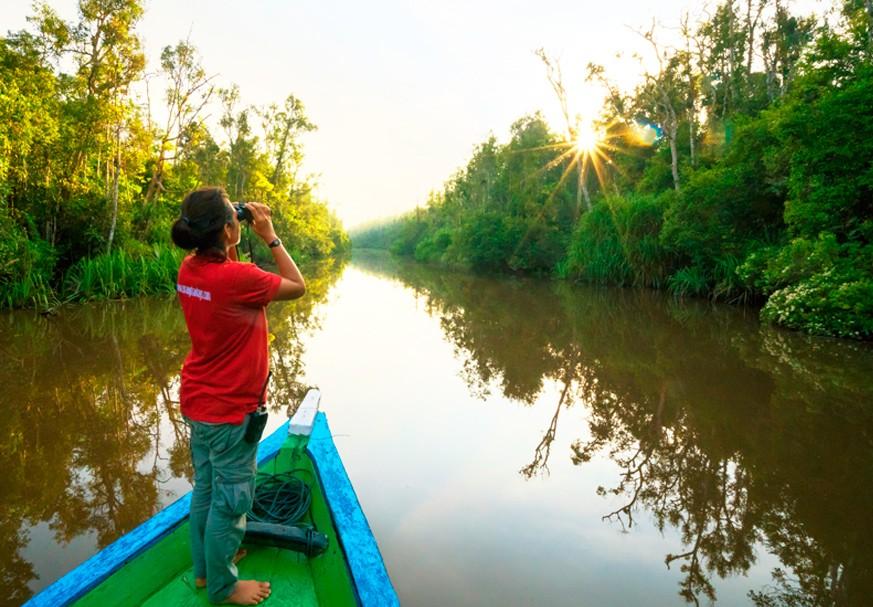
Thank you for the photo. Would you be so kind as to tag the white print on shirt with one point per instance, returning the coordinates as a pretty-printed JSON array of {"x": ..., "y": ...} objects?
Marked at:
[{"x": 192, "y": 292}]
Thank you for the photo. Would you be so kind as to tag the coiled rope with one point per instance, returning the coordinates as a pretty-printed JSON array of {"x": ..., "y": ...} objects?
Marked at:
[{"x": 280, "y": 498}]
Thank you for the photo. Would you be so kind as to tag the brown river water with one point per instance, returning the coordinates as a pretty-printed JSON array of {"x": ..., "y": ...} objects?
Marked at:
[{"x": 512, "y": 441}]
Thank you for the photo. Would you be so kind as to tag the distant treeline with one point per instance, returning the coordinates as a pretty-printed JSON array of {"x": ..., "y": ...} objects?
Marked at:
[
  {"x": 90, "y": 180},
  {"x": 741, "y": 170}
]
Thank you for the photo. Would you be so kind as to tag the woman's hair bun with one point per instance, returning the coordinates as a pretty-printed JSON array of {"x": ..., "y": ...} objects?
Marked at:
[
  {"x": 183, "y": 236},
  {"x": 203, "y": 215}
]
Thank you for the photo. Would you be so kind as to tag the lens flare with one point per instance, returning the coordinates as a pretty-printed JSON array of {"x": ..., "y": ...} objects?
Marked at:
[
  {"x": 644, "y": 133},
  {"x": 588, "y": 138},
  {"x": 589, "y": 148}
]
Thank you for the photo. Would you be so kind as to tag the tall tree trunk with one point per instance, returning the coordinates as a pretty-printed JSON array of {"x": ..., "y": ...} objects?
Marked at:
[
  {"x": 671, "y": 127},
  {"x": 730, "y": 81},
  {"x": 751, "y": 26},
  {"x": 115, "y": 188},
  {"x": 868, "y": 4},
  {"x": 691, "y": 132},
  {"x": 155, "y": 182},
  {"x": 724, "y": 88},
  {"x": 692, "y": 89},
  {"x": 582, "y": 189},
  {"x": 280, "y": 157},
  {"x": 770, "y": 71}
]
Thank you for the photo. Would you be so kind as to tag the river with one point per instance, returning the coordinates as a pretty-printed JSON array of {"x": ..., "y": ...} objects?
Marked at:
[{"x": 512, "y": 441}]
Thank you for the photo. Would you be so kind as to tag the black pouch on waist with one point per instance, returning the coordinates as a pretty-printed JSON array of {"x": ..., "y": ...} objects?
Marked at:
[{"x": 257, "y": 420}]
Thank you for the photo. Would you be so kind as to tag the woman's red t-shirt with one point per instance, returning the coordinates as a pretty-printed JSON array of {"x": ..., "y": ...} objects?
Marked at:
[{"x": 225, "y": 308}]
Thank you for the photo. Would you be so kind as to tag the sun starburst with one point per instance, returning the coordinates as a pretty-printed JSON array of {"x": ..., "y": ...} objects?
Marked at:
[{"x": 588, "y": 138}]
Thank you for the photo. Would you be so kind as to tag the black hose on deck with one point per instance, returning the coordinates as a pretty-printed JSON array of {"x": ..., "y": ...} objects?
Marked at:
[{"x": 281, "y": 498}]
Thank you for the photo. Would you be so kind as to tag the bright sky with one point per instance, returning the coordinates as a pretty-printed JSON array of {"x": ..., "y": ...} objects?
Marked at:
[{"x": 401, "y": 92}]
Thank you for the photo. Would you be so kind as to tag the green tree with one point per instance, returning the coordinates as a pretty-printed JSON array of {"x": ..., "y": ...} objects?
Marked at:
[
  {"x": 282, "y": 129},
  {"x": 187, "y": 95}
]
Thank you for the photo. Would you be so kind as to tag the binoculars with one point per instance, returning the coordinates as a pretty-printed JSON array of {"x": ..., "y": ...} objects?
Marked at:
[{"x": 242, "y": 213}]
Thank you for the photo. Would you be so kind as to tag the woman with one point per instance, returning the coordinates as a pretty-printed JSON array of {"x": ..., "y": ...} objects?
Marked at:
[{"x": 224, "y": 377}]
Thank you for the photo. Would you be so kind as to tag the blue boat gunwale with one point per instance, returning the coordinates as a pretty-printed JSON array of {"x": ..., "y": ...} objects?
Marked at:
[{"x": 369, "y": 576}]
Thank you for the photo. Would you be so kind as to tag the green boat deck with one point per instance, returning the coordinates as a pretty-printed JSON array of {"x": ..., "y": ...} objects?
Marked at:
[
  {"x": 289, "y": 575},
  {"x": 163, "y": 574}
]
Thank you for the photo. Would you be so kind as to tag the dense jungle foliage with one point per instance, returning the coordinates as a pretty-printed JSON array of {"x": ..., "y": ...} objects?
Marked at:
[
  {"x": 91, "y": 176},
  {"x": 741, "y": 169}
]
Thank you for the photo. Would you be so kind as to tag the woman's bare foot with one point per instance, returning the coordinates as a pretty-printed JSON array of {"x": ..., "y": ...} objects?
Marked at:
[
  {"x": 200, "y": 582},
  {"x": 248, "y": 592}
]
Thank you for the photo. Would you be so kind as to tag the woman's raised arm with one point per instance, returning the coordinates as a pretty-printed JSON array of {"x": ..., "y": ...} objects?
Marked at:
[{"x": 293, "y": 285}]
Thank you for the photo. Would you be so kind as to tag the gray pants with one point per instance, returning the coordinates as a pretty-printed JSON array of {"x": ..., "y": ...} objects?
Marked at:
[{"x": 224, "y": 484}]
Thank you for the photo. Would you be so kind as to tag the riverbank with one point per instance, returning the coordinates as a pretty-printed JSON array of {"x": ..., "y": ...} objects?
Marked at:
[
  {"x": 737, "y": 186},
  {"x": 91, "y": 181},
  {"x": 118, "y": 276}
]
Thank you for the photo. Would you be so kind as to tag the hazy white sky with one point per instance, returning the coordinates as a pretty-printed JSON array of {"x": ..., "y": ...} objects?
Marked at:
[{"x": 401, "y": 92}]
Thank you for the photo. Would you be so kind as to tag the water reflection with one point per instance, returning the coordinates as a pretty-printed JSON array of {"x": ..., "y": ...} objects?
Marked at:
[
  {"x": 91, "y": 439},
  {"x": 736, "y": 435}
]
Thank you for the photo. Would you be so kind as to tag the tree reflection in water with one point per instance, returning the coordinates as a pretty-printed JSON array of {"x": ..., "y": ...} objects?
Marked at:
[
  {"x": 732, "y": 433},
  {"x": 91, "y": 437}
]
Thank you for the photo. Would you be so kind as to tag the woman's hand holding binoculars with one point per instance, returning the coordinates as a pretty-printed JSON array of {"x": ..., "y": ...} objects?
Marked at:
[
  {"x": 293, "y": 285},
  {"x": 262, "y": 222}
]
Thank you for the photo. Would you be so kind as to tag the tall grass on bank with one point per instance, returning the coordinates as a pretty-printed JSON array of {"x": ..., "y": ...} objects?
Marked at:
[
  {"x": 617, "y": 242},
  {"x": 690, "y": 281},
  {"x": 32, "y": 291},
  {"x": 26, "y": 265},
  {"x": 118, "y": 274}
]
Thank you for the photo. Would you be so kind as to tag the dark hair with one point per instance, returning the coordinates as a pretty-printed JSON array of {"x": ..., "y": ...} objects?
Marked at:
[{"x": 204, "y": 215}]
